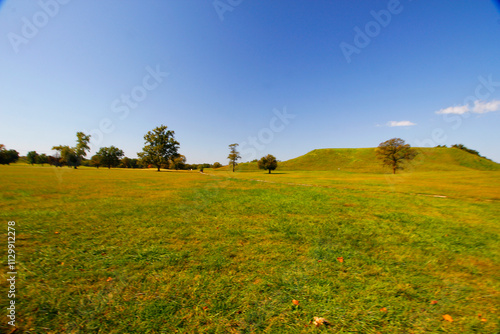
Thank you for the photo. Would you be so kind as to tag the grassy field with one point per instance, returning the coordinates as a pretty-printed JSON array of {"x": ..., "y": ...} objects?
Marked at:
[{"x": 136, "y": 251}]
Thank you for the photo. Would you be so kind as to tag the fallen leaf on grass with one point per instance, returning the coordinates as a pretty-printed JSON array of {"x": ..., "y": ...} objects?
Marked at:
[
  {"x": 205, "y": 308},
  {"x": 383, "y": 309},
  {"x": 295, "y": 302},
  {"x": 340, "y": 259},
  {"x": 56, "y": 232},
  {"x": 447, "y": 317},
  {"x": 483, "y": 320},
  {"x": 434, "y": 302},
  {"x": 320, "y": 321},
  {"x": 109, "y": 279}
]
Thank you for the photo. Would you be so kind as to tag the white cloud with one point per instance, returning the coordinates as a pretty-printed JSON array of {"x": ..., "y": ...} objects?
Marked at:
[
  {"x": 459, "y": 110},
  {"x": 400, "y": 123},
  {"x": 481, "y": 107}
]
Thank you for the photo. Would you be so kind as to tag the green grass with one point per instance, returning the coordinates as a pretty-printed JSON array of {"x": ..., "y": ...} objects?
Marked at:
[{"x": 138, "y": 251}]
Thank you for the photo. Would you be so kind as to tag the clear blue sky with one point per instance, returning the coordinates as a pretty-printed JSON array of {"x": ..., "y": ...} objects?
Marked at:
[{"x": 352, "y": 74}]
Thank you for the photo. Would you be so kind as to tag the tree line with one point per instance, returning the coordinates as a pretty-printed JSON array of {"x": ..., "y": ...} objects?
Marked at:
[{"x": 161, "y": 150}]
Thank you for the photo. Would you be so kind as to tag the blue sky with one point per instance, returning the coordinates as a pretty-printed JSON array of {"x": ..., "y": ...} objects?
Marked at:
[{"x": 281, "y": 77}]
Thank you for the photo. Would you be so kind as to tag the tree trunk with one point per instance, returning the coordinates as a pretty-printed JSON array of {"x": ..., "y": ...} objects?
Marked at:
[
  {"x": 158, "y": 168},
  {"x": 233, "y": 168},
  {"x": 269, "y": 170},
  {"x": 393, "y": 170}
]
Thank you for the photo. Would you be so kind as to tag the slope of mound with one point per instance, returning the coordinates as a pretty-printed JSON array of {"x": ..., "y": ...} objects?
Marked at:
[{"x": 452, "y": 159}]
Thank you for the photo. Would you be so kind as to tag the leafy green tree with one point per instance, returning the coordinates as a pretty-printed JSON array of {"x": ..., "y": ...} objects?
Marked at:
[
  {"x": 179, "y": 162},
  {"x": 73, "y": 156},
  {"x": 82, "y": 146},
  {"x": 394, "y": 153},
  {"x": 126, "y": 163},
  {"x": 217, "y": 165},
  {"x": 67, "y": 155},
  {"x": 54, "y": 161},
  {"x": 129, "y": 163},
  {"x": 32, "y": 157},
  {"x": 268, "y": 162},
  {"x": 135, "y": 163},
  {"x": 110, "y": 156},
  {"x": 8, "y": 156},
  {"x": 160, "y": 148},
  {"x": 12, "y": 156},
  {"x": 234, "y": 155},
  {"x": 42, "y": 159},
  {"x": 95, "y": 161}
]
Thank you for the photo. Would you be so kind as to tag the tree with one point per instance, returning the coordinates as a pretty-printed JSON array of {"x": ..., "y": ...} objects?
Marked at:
[
  {"x": 394, "y": 152},
  {"x": 67, "y": 155},
  {"x": 12, "y": 156},
  {"x": 134, "y": 163},
  {"x": 234, "y": 155},
  {"x": 179, "y": 162},
  {"x": 268, "y": 162},
  {"x": 42, "y": 159},
  {"x": 109, "y": 156},
  {"x": 8, "y": 156},
  {"x": 95, "y": 161},
  {"x": 160, "y": 148},
  {"x": 53, "y": 161},
  {"x": 32, "y": 157},
  {"x": 129, "y": 163},
  {"x": 73, "y": 156},
  {"x": 82, "y": 146},
  {"x": 125, "y": 163},
  {"x": 217, "y": 165}
]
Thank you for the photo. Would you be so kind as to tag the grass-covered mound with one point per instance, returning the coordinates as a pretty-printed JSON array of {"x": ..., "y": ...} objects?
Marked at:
[{"x": 365, "y": 160}]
